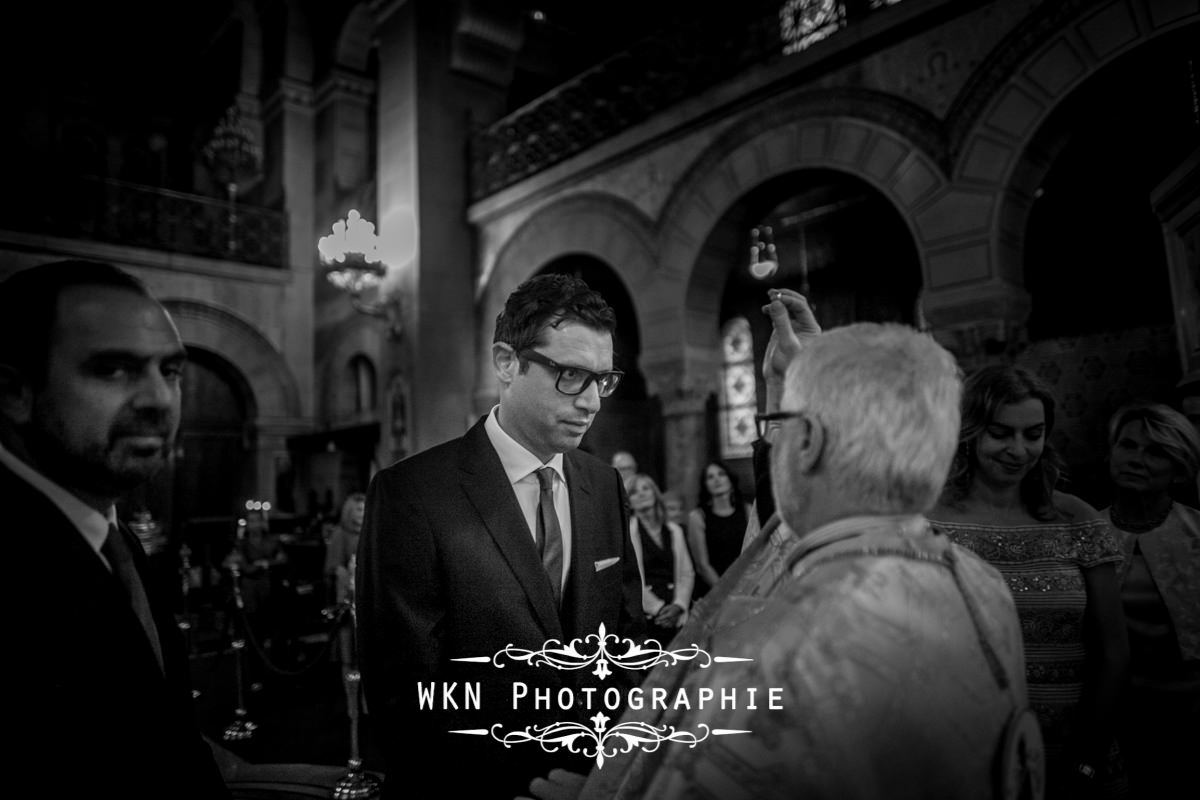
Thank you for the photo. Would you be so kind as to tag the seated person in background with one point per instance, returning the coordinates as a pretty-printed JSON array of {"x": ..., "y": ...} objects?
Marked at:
[
  {"x": 1059, "y": 557},
  {"x": 894, "y": 657},
  {"x": 662, "y": 554},
  {"x": 1153, "y": 449},
  {"x": 717, "y": 527}
]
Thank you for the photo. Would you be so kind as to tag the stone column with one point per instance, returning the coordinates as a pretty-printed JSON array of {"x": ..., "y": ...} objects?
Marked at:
[
  {"x": 430, "y": 93},
  {"x": 684, "y": 396},
  {"x": 288, "y": 120}
]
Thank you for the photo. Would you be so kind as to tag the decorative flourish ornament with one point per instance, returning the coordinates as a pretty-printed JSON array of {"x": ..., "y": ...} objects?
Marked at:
[
  {"x": 576, "y": 655},
  {"x": 601, "y": 743}
]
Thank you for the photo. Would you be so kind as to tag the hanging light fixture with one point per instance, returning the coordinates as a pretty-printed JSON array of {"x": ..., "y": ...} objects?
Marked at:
[{"x": 354, "y": 266}]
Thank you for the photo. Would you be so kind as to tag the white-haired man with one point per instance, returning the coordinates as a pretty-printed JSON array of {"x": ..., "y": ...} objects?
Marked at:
[{"x": 867, "y": 656}]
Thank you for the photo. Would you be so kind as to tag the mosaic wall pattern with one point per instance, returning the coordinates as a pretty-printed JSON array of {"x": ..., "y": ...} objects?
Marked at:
[{"x": 1091, "y": 376}]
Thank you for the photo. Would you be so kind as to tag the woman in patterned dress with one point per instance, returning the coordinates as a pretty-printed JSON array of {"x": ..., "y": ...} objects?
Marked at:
[{"x": 1059, "y": 557}]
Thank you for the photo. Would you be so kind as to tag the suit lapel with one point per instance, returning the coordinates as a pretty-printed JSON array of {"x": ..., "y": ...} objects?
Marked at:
[
  {"x": 486, "y": 485},
  {"x": 79, "y": 566},
  {"x": 583, "y": 548}
]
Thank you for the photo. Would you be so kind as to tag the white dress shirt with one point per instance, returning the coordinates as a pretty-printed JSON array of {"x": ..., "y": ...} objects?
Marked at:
[{"x": 521, "y": 467}]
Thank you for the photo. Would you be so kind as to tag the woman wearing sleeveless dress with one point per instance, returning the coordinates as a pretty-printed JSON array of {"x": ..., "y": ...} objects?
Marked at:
[
  {"x": 1059, "y": 557},
  {"x": 662, "y": 554},
  {"x": 717, "y": 527}
]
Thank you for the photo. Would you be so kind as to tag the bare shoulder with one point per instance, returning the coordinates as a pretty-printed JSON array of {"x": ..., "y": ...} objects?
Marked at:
[{"x": 1074, "y": 509}]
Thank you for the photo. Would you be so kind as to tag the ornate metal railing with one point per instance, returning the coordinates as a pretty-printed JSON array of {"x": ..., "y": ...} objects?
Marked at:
[
  {"x": 655, "y": 73},
  {"x": 113, "y": 211}
]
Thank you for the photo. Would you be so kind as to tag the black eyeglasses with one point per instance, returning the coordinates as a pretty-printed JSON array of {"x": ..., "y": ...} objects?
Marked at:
[
  {"x": 574, "y": 380},
  {"x": 764, "y": 420}
]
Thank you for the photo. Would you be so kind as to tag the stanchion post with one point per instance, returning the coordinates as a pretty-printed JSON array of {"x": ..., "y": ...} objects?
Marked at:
[
  {"x": 357, "y": 783},
  {"x": 241, "y": 727}
]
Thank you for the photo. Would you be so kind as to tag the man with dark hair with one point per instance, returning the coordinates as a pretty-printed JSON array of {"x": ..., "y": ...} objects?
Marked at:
[
  {"x": 90, "y": 368},
  {"x": 505, "y": 537}
]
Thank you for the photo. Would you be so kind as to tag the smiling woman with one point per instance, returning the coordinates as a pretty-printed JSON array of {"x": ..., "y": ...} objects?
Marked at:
[{"x": 1058, "y": 556}]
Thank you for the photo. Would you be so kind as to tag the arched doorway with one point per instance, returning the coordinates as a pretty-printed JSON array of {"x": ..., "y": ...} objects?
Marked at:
[
  {"x": 1101, "y": 323},
  {"x": 629, "y": 420},
  {"x": 213, "y": 467},
  {"x": 830, "y": 236},
  {"x": 197, "y": 498}
]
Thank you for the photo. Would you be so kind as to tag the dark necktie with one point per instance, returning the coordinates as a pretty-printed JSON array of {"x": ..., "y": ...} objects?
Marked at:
[
  {"x": 548, "y": 535},
  {"x": 116, "y": 550}
]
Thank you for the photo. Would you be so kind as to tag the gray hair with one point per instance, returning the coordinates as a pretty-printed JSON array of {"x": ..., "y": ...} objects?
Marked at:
[{"x": 887, "y": 398}]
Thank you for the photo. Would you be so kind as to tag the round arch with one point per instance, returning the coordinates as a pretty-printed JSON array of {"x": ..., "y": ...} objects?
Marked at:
[
  {"x": 991, "y": 129},
  {"x": 900, "y": 159},
  {"x": 358, "y": 335},
  {"x": 352, "y": 47},
  {"x": 273, "y": 387}
]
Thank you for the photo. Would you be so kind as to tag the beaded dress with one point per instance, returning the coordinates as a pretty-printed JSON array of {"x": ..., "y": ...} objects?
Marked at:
[{"x": 1043, "y": 566}]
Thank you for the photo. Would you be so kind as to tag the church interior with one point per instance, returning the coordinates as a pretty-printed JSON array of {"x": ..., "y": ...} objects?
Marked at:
[{"x": 333, "y": 200}]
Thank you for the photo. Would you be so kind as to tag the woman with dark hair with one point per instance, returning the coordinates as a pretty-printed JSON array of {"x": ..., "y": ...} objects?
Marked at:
[
  {"x": 1059, "y": 557},
  {"x": 717, "y": 526},
  {"x": 1152, "y": 450}
]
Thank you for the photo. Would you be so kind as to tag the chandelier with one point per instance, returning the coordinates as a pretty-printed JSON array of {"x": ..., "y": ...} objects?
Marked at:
[{"x": 353, "y": 265}]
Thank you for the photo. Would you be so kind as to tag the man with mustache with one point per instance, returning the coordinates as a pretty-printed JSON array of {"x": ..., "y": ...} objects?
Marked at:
[
  {"x": 505, "y": 536},
  {"x": 90, "y": 370}
]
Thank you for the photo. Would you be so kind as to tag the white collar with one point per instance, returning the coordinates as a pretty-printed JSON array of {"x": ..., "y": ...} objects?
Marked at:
[
  {"x": 90, "y": 522},
  {"x": 517, "y": 461}
]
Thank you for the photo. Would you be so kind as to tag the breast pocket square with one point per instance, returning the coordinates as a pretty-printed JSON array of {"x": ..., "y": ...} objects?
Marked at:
[{"x": 605, "y": 563}]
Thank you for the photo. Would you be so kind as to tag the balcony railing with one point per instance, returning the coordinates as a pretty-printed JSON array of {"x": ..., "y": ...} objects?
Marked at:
[
  {"x": 654, "y": 74},
  {"x": 113, "y": 211}
]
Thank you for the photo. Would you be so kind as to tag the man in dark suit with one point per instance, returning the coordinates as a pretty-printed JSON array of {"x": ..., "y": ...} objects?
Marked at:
[
  {"x": 90, "y": 369},
  {"x": 506, "y": 536}
]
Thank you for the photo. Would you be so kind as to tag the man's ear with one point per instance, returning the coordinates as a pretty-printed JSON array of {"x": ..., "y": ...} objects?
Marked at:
[
  {"x": 16, "y": 396},
  {"x": 505, "y": 362},
  {"x": 810, "y": 444}
]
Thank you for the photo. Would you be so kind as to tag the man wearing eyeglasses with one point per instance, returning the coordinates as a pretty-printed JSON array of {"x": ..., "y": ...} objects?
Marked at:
[{"x": 508, "y": 537}]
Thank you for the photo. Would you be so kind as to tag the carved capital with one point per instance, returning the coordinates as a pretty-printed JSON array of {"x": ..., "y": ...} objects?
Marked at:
[{"x": 343, "y": 85}]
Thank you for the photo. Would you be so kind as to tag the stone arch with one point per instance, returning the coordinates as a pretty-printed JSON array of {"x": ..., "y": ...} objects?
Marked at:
[
  {"x": 884, "y": 141},
  {"x": 1003, "y": 107},
  {"x": 599, "y": 225},
  {"x": 273, "y": 387}
]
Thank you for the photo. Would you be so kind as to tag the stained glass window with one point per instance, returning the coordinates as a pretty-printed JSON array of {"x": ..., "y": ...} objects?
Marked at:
[{"x": 739, "y": 399}]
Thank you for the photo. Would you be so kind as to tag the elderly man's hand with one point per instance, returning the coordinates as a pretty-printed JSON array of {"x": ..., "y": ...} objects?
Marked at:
[
  {"x": 558, "y": 785},
  {"x": 791, "y": 321}
]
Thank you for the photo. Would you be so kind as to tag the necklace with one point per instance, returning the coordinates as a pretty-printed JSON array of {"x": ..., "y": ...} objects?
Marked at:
[{"x": 1140, "y": 526}]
